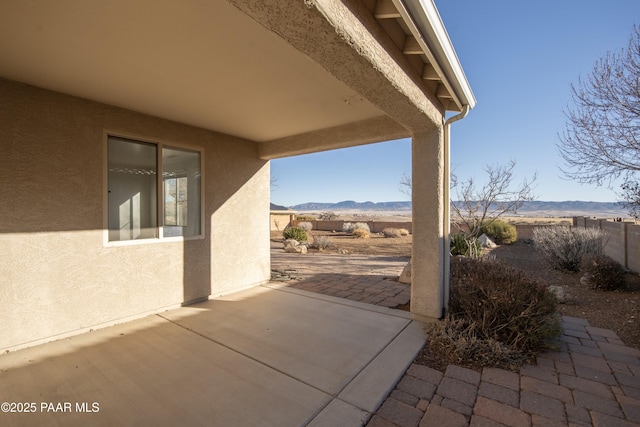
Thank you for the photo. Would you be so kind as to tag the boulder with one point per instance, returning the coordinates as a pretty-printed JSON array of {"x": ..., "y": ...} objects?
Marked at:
[
  {"x": 486, "y": 241},
  {"x": 561, "y": 294},
  {"x": 405, "y": 276},
  {"x": 585, "y": 280},
  {"x": 290, "y": 242},
  {"x": 292, "y": 246}
]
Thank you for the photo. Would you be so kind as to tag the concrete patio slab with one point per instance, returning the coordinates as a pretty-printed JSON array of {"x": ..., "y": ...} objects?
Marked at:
[{"x": 264, "y": 356}]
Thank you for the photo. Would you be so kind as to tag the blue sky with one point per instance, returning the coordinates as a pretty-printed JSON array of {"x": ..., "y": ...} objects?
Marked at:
[{"x": 520, "y": 58}]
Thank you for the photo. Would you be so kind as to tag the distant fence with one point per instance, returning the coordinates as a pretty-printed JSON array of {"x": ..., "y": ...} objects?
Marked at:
[
  {"x": 623, "y": 244},
  {"x": 525, "y": 231},
  {"x": 374, "y": 226}
]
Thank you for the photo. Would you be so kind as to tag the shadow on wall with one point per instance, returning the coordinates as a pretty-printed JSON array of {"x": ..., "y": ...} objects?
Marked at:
[{"x": 60, "y": 277}]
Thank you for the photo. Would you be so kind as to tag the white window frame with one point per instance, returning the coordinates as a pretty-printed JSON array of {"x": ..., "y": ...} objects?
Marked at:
[{"x": 160, "y": 144}]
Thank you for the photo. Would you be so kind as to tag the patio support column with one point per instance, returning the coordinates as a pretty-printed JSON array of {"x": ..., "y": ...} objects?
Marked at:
[{"x": 428, "y": 281}]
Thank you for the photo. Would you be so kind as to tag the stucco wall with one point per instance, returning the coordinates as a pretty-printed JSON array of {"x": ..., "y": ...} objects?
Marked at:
[
  {"x": 623, "y": 240},
  {"x": 616, "y": 240},
  {"x": 57, "y": 277},
  {"x": 633, "y": 247}
]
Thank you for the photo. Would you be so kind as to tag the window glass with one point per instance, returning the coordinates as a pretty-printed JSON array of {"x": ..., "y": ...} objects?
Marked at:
[
  {"x": 181, "y": 182},
  {"x": 132, "y": 190},
  {"x": 137, "y": 208}
]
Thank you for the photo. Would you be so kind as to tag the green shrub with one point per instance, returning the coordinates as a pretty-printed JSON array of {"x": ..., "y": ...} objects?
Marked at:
[
  {"x": 564, "y": 248},
  {"x": 500, "y": 303},
  {"x": 466, "y": 247},
  {"x": 295, "y": 233},
  {"x": 304, "y": 218},
  {"x": 604, "y": 273},
  {"x": 500, "y": 232}
]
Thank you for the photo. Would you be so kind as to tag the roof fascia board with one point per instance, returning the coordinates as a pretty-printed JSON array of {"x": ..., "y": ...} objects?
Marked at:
[{"x": 425, "y": 22}]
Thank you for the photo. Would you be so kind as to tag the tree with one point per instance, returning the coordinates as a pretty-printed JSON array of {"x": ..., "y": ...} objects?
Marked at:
[
  {"x": 405, "y": 185},
  {"x": 476, "y": 207},
  {"x": 631, "y": 197},
  {"x": 601, "y": 141}
]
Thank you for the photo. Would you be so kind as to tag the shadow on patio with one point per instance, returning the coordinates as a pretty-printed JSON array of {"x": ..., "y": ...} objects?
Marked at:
[{"x": 269, "y": 355}]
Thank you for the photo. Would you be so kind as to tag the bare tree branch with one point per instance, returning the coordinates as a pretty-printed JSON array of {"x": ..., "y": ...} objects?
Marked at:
[
  {"x": 475, "y": 207},
  {"x": 601, "y": 141}
]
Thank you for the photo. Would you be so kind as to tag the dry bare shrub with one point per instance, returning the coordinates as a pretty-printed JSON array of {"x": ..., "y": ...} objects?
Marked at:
[
  {"x": 391, "y": 232},
  {"x": 497, "y": 316},
  {"x": 351, "y": 228},
  {"x": 361, "y": 226},
  {"x": 327, "y": 216},
  {"x": 564, "y": 248},
  {"x": 604, "y": 273},
  {"x": 403, "y": 231},
  {"x": 348, "y": 227},
  {"x": 305, "y": 225},
  {"x": 321, "y": 242},
  {"x": 361, "y": 233},
  {"x": 457, "y": 343}
]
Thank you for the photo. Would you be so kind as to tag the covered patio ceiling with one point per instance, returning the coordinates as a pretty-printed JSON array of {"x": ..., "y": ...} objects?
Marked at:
[{"x": 234, "y": 66}]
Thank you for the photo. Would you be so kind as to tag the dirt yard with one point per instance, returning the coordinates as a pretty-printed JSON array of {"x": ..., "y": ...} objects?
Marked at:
[{"x": 618, "y": 311}]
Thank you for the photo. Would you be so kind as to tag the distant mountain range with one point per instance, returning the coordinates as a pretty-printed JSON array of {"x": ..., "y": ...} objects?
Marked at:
[{"x": 534, "y": 208}]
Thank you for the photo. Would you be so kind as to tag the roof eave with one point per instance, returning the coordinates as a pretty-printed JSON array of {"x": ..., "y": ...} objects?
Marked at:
[{"x": 425, "y": 22}]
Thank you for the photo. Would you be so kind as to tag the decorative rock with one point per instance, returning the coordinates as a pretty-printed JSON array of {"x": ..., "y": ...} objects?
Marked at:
[
  {"x": 486, "y": 241},
  {"x": 300, "y": 249},
  {"x": 284, "y": 275},
  {"x": 405, "y": 276},
  {"x": 561, "y": 294},
  {"x": 290, "y": 242}
]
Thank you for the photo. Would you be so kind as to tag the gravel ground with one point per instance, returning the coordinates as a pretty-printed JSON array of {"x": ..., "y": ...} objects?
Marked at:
[{"x": 618, "y": 311}]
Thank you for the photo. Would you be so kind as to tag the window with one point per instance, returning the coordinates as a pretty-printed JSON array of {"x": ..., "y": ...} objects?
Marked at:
[{"x": 154, "y": 190}]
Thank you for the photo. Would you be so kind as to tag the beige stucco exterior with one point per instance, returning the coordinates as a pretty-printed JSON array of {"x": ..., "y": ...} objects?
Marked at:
[
  {"x": 58, "y": 276},
  {"x": 243, "y": 81}
]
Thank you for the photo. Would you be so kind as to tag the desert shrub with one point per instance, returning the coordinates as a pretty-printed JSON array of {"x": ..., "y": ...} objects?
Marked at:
[
  {"x": 391, "y": 232},
  {"x": 456, "y": 342},
  {"x": 497, "y": 303},
  {"x": 327, "y": 216},
  {"x": 500, "y": 232},
  {"x": 349, "y": 227},
  {"x": 403, "y": 231},
  {"x": 304, "y": 218},
  {"x": 321, "y": 242},
  {"x": 295, "y": 233},
  {"x": 305, "y": 225},
  {"x": 564, "y": 248},
  {"x": 362, "y": 226},
  {"x": 466, "y": 247},
  {"x": 361, "y": 233},
  {"x": 604, "y": 273}
]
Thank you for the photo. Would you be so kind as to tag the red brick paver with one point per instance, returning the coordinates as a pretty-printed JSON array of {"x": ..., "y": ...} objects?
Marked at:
[
  {"x": 594, "y": 380},
  {"x": 572, "y": 387}
]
